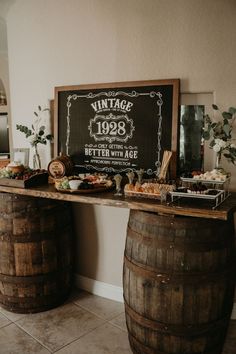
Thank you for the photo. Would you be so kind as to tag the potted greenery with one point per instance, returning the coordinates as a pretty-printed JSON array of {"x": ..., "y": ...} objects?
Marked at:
[
  {"x": 37, "y": 134},
  {"x": 219, "y": 132}
]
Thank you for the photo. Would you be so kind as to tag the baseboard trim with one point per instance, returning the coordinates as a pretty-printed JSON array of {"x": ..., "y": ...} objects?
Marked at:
[
  {"x": 109, "y": 291},
  {"x": 99, "y": 288}
]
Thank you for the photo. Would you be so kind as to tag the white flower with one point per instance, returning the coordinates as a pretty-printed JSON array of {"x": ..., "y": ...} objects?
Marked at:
[
  {"x": 233, "y": 146},
  {"x": 216, "y": 148},
  {"x": 221, "y": 143}
]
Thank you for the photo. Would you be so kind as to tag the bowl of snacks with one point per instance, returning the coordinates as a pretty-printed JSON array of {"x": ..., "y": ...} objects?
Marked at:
[{"x": 75, "y": 183}]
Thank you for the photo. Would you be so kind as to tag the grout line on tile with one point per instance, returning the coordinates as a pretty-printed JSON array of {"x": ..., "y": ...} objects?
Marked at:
[
  {"x": 115, "y": 325},
  {"x": 7, "y": 324},
  {"x": 13, "y": 321},
  {"x": 112, "y": 318},
  {"x": 83, "y": 335},
  {"x": 3, "y": 314},
  {"x": 37, "y": 340},
  {"x": 94, "y": 313},
  {"x": 6, "y": 318},
  {"x": 52, "y": 351}
]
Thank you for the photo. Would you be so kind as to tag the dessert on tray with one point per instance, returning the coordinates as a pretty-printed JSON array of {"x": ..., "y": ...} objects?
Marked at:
[
  {"x": 214, "y": 175},
  {"x": 147, "y": 189},
  {"x": 152, "y": 188}
]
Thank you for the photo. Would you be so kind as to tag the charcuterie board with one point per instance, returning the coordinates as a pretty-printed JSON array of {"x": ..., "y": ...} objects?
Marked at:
[{"x": 86, "y": 191}]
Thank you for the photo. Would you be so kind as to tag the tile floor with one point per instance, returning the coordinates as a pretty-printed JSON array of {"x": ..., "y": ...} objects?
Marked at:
[{"x": 85, "y": 324}]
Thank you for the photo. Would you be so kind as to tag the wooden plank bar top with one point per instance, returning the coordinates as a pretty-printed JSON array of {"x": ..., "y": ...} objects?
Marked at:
[{"x": 184, "y": 207}]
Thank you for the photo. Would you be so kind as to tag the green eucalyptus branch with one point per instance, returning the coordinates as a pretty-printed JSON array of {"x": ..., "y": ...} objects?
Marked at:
[
  {"x": 220, "y": 133},
  {"x": 37, "y": 132}
]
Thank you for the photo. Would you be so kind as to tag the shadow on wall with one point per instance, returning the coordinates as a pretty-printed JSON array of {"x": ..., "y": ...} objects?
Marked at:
[{"x": 85, "y": 241}]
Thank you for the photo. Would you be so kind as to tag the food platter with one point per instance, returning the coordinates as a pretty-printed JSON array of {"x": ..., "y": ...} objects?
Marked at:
[
  {"x": 149, "y": 189},
  {"x": 218, "y": 198},
  {"x": 33, "y": 181},
  {"x": 86, "y": 191},
  {"x": 197, "y": 195},
  {"x": 142, "y": 195},
  {"x": 84, "y": 184}
]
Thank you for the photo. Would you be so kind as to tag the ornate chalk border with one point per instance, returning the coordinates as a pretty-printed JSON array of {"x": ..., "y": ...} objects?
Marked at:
[
  {"x": 108, "y": 117},
  {"x": 90, "y": 95}
]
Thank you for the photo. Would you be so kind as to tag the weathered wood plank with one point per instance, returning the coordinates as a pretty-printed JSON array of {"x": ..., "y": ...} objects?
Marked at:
[{"x": 196, "y": 208}]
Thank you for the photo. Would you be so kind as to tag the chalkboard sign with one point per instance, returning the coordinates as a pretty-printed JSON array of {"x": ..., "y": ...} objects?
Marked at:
[{"x": 117, "y": 127}]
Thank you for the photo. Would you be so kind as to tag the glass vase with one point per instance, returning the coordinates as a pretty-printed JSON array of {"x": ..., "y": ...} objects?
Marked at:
[
  {"x": 36, "y": 159},
  {"x": 218, "y": 160},
  {"x": 118, "y": 179}
]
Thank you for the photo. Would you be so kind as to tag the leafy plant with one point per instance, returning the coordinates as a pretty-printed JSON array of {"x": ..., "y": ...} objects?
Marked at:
[
  {"x": 220, "y": 133},
  {"x": 37, "y": 132}
]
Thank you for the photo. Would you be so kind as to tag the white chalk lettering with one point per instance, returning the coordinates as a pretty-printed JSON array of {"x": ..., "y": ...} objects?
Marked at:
[
  {"x": 112, "y": 103},
  {"x": 117, "y": 153},
  {"x": 131, "y": 154},
  {"x": 96, "y": 152}
]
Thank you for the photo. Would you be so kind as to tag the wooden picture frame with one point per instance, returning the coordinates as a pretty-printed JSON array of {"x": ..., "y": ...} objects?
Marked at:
[
  {"x": 117, "y": 127},
  {"x": 20, "y": 155}
]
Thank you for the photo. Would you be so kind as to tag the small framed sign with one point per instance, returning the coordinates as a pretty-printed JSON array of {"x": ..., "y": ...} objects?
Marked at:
[{"x": 117, "y": 127}]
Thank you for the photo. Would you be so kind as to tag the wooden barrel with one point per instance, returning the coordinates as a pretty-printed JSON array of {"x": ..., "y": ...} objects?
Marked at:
[
  {"x": 35, "y": 253},
  {"x": 178, "y": 280}
]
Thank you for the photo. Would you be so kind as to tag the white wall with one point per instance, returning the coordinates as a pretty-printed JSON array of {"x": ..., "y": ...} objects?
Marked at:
[
  {"x": 100, "y": 242},
  {"x": 4, "y": 72},
  {"x": 64, "y": 42}
]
